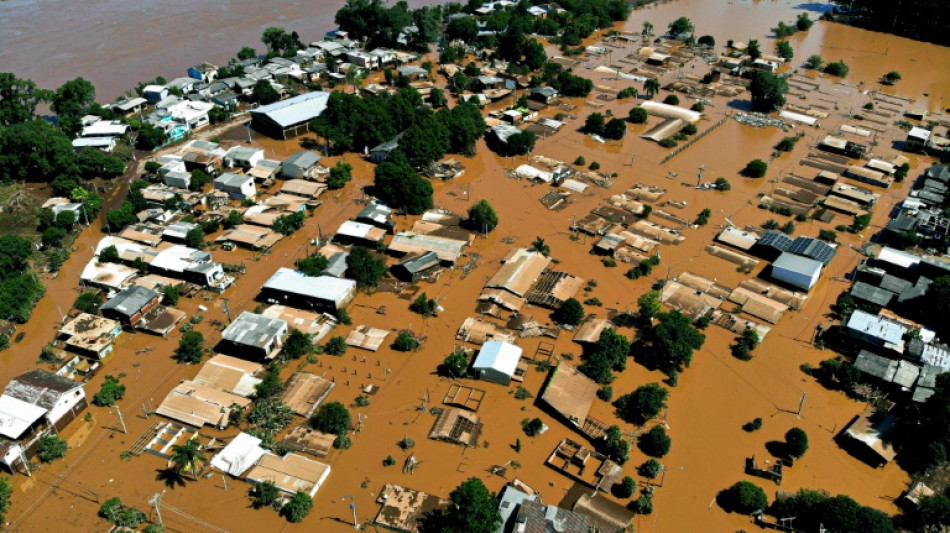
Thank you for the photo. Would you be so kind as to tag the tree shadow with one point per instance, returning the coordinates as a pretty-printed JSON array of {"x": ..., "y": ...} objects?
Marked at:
[
  {"x": 777, "y": 448},
  {"x": 740, "y": 105},
  {"x": 171, "y": 477}
]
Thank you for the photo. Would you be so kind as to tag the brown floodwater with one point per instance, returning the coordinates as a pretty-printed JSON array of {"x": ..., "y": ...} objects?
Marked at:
[{"x": 714, "y": 397}]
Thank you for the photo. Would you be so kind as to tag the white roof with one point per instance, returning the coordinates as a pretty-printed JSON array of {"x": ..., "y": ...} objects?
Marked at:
[
  {"x": 877, "y": 327},
  {"x": 530, "y": 172},
  {"x": 105, "y": 128},
  {"x": 897, "y": 257},
  {"x": 297, "y": 109},
  {"x": 239, "y": 455},
  {"x": 500, "y": 356},
  {"x": 94, "y": 142},
  {"x": 919, "y": 133},
  {"x": 188, "y": 110},
  {"x": 112, "y": 275},
  {"x": 798, "y": 117},
  {"x": 16, "y": 416},
  {"x": 357, "y": 230},
  {"x": 329, "y": 288},
  {"x": 177, "y": 258},
  {"x": 229, "y": 179},
  {"x": 670, "y": 111},
  {"x": 153, "y": 88}
]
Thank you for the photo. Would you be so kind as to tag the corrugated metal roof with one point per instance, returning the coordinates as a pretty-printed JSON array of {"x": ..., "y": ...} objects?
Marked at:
[
  {"x": 323, "y": 287},
  {"x": 254, "y": 330},
  {"x": 302, "y": 108}
]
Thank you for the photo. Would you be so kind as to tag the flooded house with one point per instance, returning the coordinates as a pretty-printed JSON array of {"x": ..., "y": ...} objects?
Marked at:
[
  {"x": 497, "y": 362},
  {"x": 304, "y": 392},
  {"x": 401, "y": 508},
  {"x": 296, "y": 289},
  {"x": 237, "y": 186},
  {"x": 243, "y": 157},
  {"x": 303, "y": 165},
  {"x": 61, "y": 399},
  {"x": 290, "y": 117},
  {"x": 796, "y": 270},
  {"x": 139, "y": 308},
  {"x": 91, "y": 335},
  {"x": 254, "y": 336}
]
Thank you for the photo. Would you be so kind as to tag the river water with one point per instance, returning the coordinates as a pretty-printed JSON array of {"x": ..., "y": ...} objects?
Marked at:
[{"x": 117, "y": 43}]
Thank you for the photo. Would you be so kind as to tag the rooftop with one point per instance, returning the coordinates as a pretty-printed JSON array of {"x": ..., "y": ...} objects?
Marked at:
[
  {"x": 254, "y": 330},
  {"x": 130, "y": 300},
  {"x": 16, "y": 416},
  {"x": 40, "y": 388},
  {"x": 323, "y": 287},
  {"x": 291, "y": 111},
  {"x": 570, "y": 393}
]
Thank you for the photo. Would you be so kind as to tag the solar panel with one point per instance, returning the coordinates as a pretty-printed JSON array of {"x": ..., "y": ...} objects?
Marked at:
[
  {"x": 777, "y": 240},
  {"x": 813, "y": 248}
]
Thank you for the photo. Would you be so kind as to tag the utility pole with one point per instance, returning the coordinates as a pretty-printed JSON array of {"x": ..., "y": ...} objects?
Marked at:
[
  {"x": 26, "y": 463},
  {"x": 156, "y": 500},
  {"x": 800, "y": 405},
  {"x": 356, "y": 524},
  {"x": 121, "y": 420}
]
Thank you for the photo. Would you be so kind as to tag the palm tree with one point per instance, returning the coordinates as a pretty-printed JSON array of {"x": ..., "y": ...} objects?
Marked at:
[
  {"x": 647, "y": 28},
  {"x": 651, "y": 86},
  {"x": 540, "y": 246},
  {"x": 187, "y": 456}
]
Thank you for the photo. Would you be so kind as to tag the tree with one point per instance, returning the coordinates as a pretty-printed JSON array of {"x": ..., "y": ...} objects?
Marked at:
[
  {"x": 837, "y": 68},
  {"x": 150, "y": 137},
  {"x": 455, "y": 365},
  {"x": 246, "y": 53},
  {"x": 756, "y": 168},
  {"x": 297, "y": 344},
  {"x": 745, "y": 343},
  {"x": 643, "y": 404},
  {"x": 796, "y": 442},
  {"x": 340, "y": 175},
  {"x": 650, "y": 469},
  {"x": 313, "y": 265},
  {"x": 18, "y": 99},
  {"x": 425, "y": 142},
  {"x": 861, "y": 222},
  {"x": 36, "y": 152},
  {"x": 6, "y": 490},
  {"x": 814, "y": 62},
  {"x": 110, "y": 392},
  {"x": 671, "y": 99},
  {"x": 89, "y": 302},
  {"x": 364, "y": 267},
  {"x": 51, "y": 448},
  {"x": 288, "y": 224},
  {"x": 784, "y": 50},
  {"x": 753, "y": 49},
  {"x": 625, "y": 488},
  {"x": 680, "y": 26},
  {"x": 264, "y": 93},
  {"x": 707, "y": 40},
  {"x": 405, "y": 342},
  {"x": 482, "y": 217},
  {"x": 609, "y": 353},
  {"x": 638, "y": 115},
  {"x": 473, "y": 510},
  {"x": 333, "y": 418},
  {"x": 655, "y": 443},
  {"x": 768, "y": 91},
  {"x": 186, "y": 457},
  {"x": 615, "y": 445},
  {"x": 271, "y": 385},
  {"x": 172, "y": 294},
  {"x": 298, "y": 507},
  {"x": 538, "y": 245},
  {"x": 814, "y": 510},
  {"x": 803, "y": 22},
  {"x": 594, "y": 124},
  {"x": 651, "y": 86},
  {"x": 519, "y": 144},
  {"x": 110, "y": 509},
  {"x": 615, "y": 129},
  {"x": 401, "y": 187},
  {"x": 744, "y": 497},
  {"x": 234, "y": 218},
  {"x": 423, "y": 305},
  {"x": 891, "y": 78},
  {"x": 190, "y": 347},
  {"x": 933, "y": 512},
  {"x": 199, "y": 179},
  {"x": 70, "y": 103},
  {"x": 265, "y": 494},
  {"x": 336, "y": 346},
  {"x": 648, "y": 306},
  {"x": 571, "y": 313}
]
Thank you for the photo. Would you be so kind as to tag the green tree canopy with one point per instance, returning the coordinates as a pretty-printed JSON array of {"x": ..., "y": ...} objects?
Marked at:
[
  {"x": 19, "y": 98},
  {"x": 35, "y": 151},
  {"x": 608, "y": 354},
  {"x": 571, "y": 313},
  {"x": 796, "y": 442},
  {"x": 482, "y": 217},
  {"x": 813, "y": 510},
  {"x": 364, "y": 267},
  {"x": 332, "y": 417},
  {"x": 615, "y": 129},
  {"x": 655, "y": 443},
  {"x": 70, "y": 102},
  {"x": 473, "y": 510},
  {"x": 401, "y": 187},
  {"x": 298, "y": 507},
  {"x": 190, "y": 347},
  {"x": 638, "y": 115},
  {"x": 680, "y": 26},
  {"x": 594, "y": 124},
  {"x": 644, "y": 403},
  {"x": 744, "y": 497},
  {"x": 756, "y": 168},
  {"x": 672, "y": 342},
  {"x": 264, "y": 93},
  {"x": 297, "y": 344},
  {"x": 768, "y": 91}
]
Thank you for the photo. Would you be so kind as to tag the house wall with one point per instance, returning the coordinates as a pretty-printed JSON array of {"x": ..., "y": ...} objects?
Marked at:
[
  {"x": 795, "y": 279},
  {"x": 493, "y": 376},
  {"x": 301, "y": 301},
  {"x": 67, "y": 408}
]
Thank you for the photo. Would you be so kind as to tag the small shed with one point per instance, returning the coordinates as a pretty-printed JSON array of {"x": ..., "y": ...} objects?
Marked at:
[
  {"x": 797, "y": 271},
  {"x": 416, "y": 267},
  {"x": 497, "y": 361}
]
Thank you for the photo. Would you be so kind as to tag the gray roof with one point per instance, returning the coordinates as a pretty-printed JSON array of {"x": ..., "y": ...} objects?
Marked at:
[
  {"x": 894, "y": 283},
  {"x": 875, "y": 365},
  {"x": 242, "y": 152},
  {"x": 323, "y": 287},
  {"x": 253, "y": 330},
  {"x": 229, "y": 179},
  {"x": 129, "y": 300},
  {"x": 40, "y": 388},
  {"x": 376, "y": 212},
  {"x": 870, "y": 293},
  {"x": 389, "y": 145},
  {"x": 511, "y": 500},
  {"x": 939, "y": 172},
  {"x": 303, "y": 159},
  {"x": 548, "y": 92},
  {"x": 294, "y": 110},
  {"x": 797, "y": 263},
  {"x": 903, "y": 223},
  {"x": 337, "y": 265},
  {"x": 408, "y": 70},
  {"x": 420, "y": 262}
]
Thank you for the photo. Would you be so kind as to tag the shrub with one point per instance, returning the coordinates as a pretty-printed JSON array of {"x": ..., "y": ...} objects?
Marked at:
[
  {"x": 532, "y": 426},
  {"x": 594, "y": 165},
  {"x": 698, "y": 107},
  {"x": 580, "y": 161},
  {"x": 389, "y": 460},
  {"x": 605, "y": 393},
  {"x": 655, "y": 443},
  {"x": 744, "y": 497},
  {"x": 51, "y": 448},
  {"x": 625, "y": 488},
  {"x": 827, "y": 235},
  {"x": 689, "y": 129},
  {"x": 638, "y": 115},
  {"x": 110, "y": 392},
  {"x": 754, "y": 425},
  {"x": 335, "y": 346},
  {"x": 406, "y": 443},
  {"x": 837, "y": 68},
  {"x": 130, "y": 517},
  {"x": 297, "y": 508},
  {"x": 722, "y": 184},
  {"x": 423, "y": 305},
  {"x": 796, "y": 442},
  {"x": 787, "y": 144},
  {"x": 110, "y": 509},
  {"x": 264, "y": 494},
  {"x": 650, "y": 469},
  {"x": 669, "y": 142},
  {"x": 756, "y": 168},
  {"x": 671, "y": 99},
  {"x": 405, "y": 342}
]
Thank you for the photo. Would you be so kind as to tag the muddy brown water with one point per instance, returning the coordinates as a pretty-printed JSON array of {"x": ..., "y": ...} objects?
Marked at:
[{"x": 714, "y": 397}]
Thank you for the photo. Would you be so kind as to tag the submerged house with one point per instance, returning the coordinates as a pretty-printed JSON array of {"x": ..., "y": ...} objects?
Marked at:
[{"x": 254, "y": 335}]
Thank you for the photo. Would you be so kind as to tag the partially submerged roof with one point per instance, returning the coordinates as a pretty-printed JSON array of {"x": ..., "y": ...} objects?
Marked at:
[
  {"x": 570, "y": 393},
  {"x": 521, "y": 269},
  {"x": 403, "y": 507},
  {"x": 448, "y": 250},
  {"x": 16, "y": 416},
  {"x": 239, "y": 455},
  {"x": 328, "y": 288},
  {"x": 302, "y": 108},
  {"x": 304, "y": 392},
  {"x": 291, "y": 473},
  {"x": 251, "y": 329},
  {"x": 197, "y": 405},
  {"x": 874, "y": 433},
  {"x": 229, "y": 374},
  {"x": 40, "y": 388},
  {"x": 498, "y": 355},
  {"x": 457, "y": 426},
  {"x": 129, "y": 300}
]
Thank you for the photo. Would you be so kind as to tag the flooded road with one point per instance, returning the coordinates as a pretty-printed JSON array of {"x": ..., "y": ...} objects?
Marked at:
[{"x": 116, "y": 43}]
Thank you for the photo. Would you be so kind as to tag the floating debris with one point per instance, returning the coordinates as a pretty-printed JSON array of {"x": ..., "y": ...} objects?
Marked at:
[{"x": 759, "y": 120}]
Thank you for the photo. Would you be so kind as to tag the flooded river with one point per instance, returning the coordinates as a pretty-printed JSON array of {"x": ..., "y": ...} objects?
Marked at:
[{"x": 707, "y": 409}]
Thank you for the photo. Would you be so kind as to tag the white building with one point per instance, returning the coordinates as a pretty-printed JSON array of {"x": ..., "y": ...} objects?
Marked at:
[
  {"x": 238, "y": 186},
  {"x": 797, "y": 271},
  {"x": 497, "y": 362}
]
